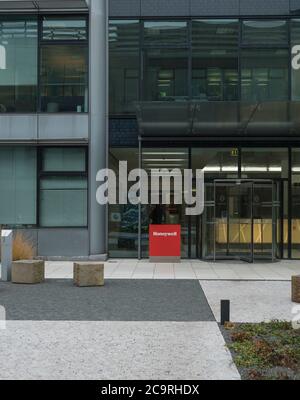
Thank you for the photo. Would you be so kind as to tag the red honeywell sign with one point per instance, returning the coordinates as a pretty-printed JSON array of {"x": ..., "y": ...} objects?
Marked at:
[{"x": 164, "y": 240}]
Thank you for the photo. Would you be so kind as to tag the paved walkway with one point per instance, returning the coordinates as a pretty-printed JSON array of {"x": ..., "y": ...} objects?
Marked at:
[
  {"x": 114, "y": 350},
  {"x": 135, "y": 269},
  {"x": 150, "y": 321},
  {"x": 128, "y": 329},
  {"x": 252, "y": 301}
]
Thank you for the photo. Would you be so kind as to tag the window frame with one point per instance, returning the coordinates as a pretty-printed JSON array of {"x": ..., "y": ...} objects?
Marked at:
[
  {"x": 45, "y": 42},
  {"x": 139, "y": 56},
  {"x": 41, "y": 174},
  {"x": 189, "y": 21},
  {"x": 35, "y": 103}
]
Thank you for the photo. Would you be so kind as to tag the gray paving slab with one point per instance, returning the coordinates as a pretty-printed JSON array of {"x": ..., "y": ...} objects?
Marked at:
[{"x": 118, "y": 300}]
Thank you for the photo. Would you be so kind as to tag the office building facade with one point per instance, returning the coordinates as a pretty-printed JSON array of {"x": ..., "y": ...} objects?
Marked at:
[{"x": 212, "y": 85}]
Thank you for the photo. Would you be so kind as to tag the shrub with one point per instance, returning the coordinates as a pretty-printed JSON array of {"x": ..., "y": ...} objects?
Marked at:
[{"x": 22, "y": 248}]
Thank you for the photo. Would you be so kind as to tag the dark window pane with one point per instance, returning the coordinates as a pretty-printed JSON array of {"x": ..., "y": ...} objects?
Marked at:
[
  {"x": 264, "y": 74},
  {"x": 17, "y": 185},
  {"x": 265, "y": 163},
  {"x": 165, "y": 33},
  {"x": 123, "y": 219},
  {"x": 217, "y": 163},
  {"x": 18, "y": 64},
  {"x": 64, "y": 78},
  {"x": 272, "y": 32},
  {"x": 124, "y": 66},
  {"x": 215, "y": 59},
  {"x": 295, "y": 41},
  {"x": 66, "y": 28},
  {"x": 64, "y": 159},
  {"x": 166, "y": 75},
  {"x": 124, "y": 34},
  {"x": 63, "y": 201}
]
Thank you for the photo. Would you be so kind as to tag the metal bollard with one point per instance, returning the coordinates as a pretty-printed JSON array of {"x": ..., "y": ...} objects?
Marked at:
[
  {"x": 225, "y": 311},
  {"x": 6, "y": 254}
]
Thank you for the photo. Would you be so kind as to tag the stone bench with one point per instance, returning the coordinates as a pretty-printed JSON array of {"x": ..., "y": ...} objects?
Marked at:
[
  {"x": 88, "y": 274},
  {"x": 28, "y": 271},
  {"x": 296, "y": 289}
]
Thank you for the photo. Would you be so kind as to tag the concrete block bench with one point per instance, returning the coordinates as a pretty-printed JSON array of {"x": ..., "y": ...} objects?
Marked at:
[
  {"x": 28, "y": 271},
  {"x": 296, "y": 289},
  {"x": 88, "y": 274}
]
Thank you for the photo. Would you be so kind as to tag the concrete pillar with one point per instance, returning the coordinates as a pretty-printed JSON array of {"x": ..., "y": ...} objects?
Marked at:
[{"x": 98, "y": 140}]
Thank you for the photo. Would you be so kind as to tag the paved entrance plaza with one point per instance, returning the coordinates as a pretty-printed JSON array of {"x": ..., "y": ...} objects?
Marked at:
[
  {"x": 187, "y": 269},
  {"x": 136, "y": 327}
]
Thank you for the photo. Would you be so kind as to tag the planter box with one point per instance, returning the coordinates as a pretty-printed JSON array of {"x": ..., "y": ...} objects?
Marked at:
[
  {"x": 28, "y": 271},
  {"x": 88, "y": 274},
  {"x": 296, "y": 289}
]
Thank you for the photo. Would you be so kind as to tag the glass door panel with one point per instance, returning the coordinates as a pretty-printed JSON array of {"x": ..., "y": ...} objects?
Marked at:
[
  {"x": 233, "y": 220},
  {"x": 246, "y": 220},
  {"x": 153, "y": 160},
  {"x": 265, "y": 221},
  {"x": 243, "y": 193}
]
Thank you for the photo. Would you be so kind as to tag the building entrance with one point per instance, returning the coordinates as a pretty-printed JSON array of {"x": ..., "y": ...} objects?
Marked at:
[{"x": 240, "y": 220}]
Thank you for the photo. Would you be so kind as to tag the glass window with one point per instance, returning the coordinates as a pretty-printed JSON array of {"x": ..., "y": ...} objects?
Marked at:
[
  {"x": 63, "y": 188},
  {"x": 271, "y": 32},
  {"x": 124, "y": 66},
  {"x": 295, "y": 41},
  {"x": 123, "y": 218},
  {"x": 17, "y": 186},
  {"x": 165, "y": 33},
  {"x": 65, "y": 28},
  {"x": 264, "y": 74},
  {"x": 18, "y": 64},
  {"x": 265, "y": 163},
  {"x": 215, "y": 59},
  {"x": 64, "y": 78},
  {"x": 64, "y": 159},
  {"x": 217, "y": 163},
  {"x": 63, "y": 201},
  {"x": 296, "y": 203},
  {"x": 166, "y": 75}
]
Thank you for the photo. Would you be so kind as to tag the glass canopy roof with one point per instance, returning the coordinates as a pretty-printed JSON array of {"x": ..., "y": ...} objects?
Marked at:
[
  {"x": 14, "y": 5},
  {"x": 218, "y": 118}
]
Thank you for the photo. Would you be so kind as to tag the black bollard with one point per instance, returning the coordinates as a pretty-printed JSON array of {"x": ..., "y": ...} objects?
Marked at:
[{"x": 225, "y": 311}]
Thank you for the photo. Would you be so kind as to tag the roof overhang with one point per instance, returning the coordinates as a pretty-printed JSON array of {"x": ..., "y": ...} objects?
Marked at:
[
  {"x": 43, "y": 5},
  {"x": 218, "y": 118}
]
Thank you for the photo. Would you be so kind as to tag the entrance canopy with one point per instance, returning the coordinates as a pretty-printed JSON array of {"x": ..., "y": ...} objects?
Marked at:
[
  {"x": 218, "y": 118},
  {"x": 15, "y": 5}
]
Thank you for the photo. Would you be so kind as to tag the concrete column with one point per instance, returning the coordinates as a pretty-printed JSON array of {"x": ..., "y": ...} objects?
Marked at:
[{"x": 98, "y": 140}]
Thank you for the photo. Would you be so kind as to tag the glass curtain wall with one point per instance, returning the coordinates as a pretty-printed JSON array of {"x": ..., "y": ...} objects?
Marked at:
[
  {"x": 215, "y": 60},
  {"x": 18, "y": 63},
  {"x": 64, "y": 65},
  {"x": 264, "y": 60},
  {"x": 165, "y": 62},
  {"x": 205, "y": 60},
  {"x": 124, "y": 77},
  {"x": 295, "y": 41}
]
